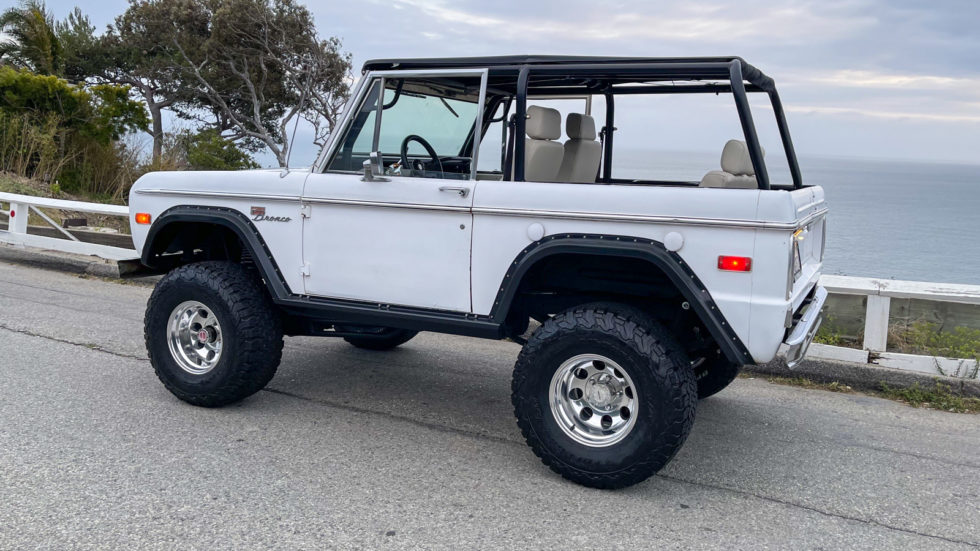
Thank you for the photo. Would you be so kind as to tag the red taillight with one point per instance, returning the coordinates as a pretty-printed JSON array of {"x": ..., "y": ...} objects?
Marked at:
[
  {"x": 735, "y": 263},
  {"x": 142, "y": 218}
]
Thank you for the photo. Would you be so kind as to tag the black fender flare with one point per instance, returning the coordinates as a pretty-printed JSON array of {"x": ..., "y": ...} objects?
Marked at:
[
  {"x": 679, "y": 273},
  {"x": 228, "y": 218}
]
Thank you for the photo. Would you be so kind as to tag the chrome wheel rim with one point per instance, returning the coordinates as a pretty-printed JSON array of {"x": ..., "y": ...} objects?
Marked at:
[
  {"x": 194, "y": 337},
  {"x": 593, "y": 400}
]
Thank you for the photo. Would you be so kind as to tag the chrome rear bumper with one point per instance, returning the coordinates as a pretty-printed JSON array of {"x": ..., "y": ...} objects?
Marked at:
[{"x": 802, "y": 333}]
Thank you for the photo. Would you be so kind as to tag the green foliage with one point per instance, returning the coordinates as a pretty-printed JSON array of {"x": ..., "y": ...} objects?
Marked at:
[
  {"x": 833, "y": 334},
  {"x": 50, "y": 130},
  {"x": 80, "y": 45},
  {"x": 960, "y": 342},
  {"x": 240, "y": 69},
  {"x": 29, "y": 145},
  {"x": 31, "y": 42},
  {"x": 939, "y": 396},
  {"x": 102, "y": 112},
  {"x": 207, "y": 150}
]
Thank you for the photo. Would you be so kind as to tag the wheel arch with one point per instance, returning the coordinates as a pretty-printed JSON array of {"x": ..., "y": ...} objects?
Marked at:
[
  {"x": 177, "y": 222},
  {"x": 652, "y": 253}
]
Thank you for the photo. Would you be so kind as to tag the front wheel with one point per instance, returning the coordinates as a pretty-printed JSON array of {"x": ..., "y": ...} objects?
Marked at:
[
  {"x": 604, "y": 395},
  {"x": 212, "y": 333},
  {"x": 714, "y": 373}
]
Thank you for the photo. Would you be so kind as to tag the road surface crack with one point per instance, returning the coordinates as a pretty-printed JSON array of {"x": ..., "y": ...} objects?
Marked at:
[
  {"x": 423, "y": 424},
  {"x": 89, "y": 346},
  {"x": 815, "y": 510}
]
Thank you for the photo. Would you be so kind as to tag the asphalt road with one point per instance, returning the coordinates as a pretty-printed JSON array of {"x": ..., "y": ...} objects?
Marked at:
[{"x": 417, "y": 448}]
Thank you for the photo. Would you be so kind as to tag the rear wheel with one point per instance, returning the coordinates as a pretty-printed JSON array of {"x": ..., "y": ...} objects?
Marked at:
[
  {"x": 604, "y": 395},
  {"x": 381, "y": 338},
  {"x": 212, "y": 333}
]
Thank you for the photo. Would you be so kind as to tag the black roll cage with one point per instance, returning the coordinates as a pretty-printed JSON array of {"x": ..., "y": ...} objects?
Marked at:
[{"x": 609, "y": 77}]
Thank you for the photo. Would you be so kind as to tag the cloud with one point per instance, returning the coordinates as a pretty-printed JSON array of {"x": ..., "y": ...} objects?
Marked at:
[
  {"x": 878, "y": 114},
  {"x": 874, "y": 79},
  {"x": 715, "y": 23}
]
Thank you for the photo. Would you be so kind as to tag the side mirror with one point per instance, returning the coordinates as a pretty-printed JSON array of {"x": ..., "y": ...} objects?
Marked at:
[{"x": 374, "y": 169}]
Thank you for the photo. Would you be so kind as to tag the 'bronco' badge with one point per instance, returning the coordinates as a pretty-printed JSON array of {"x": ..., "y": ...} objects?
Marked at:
[{"x": 258, "y": 215}]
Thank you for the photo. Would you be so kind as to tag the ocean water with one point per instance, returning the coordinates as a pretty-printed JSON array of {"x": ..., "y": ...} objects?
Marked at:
[{"x": 889, "y": 219}]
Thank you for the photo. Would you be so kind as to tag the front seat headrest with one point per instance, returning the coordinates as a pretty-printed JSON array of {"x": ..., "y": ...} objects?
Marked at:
[
  {"x": 580, "y": 127},
  {"x": 543, "y": 123}
]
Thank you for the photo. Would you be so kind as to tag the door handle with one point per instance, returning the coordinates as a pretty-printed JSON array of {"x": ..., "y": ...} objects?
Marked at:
[{"x": 461, "y": 191}]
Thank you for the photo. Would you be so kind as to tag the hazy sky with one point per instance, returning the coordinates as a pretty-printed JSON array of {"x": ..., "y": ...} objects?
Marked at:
[{"x": 897, "y": 79}]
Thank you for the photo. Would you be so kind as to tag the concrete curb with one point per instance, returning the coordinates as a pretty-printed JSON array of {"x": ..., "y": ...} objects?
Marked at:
[
  {"x": 864, "y": 376},
  {"x": 67, "y": 262}
]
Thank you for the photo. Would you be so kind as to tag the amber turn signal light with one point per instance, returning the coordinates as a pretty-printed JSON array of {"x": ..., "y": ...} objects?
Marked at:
[
  {"x": 142, "y": 218},
  {"x": 735, "y": 263}
]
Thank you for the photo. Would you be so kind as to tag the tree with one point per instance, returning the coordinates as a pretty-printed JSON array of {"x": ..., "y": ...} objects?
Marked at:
[
  {"x": 140, "y": 50},
  {"x": 76, "y": 34},
  {"x": 262, "y": 66},
  {"x": 207, "y": 150},
  {"x": 32, "y": 43}
]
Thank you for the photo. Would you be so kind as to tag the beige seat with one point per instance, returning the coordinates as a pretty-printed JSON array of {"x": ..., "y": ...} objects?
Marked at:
[
  {"x": 542, "y": 155},
  {"x": 736, "y": 168},
  {"x": 580, "y": 163}
]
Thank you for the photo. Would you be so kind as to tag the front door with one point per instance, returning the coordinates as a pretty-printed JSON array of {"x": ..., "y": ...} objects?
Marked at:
[{"x": 402, "y": 235}]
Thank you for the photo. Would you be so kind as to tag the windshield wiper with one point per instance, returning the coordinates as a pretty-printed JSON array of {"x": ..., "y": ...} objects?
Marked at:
[{"x": 450, "y": 107}]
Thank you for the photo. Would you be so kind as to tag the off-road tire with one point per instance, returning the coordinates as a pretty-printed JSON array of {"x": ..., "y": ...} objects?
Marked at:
[
  {"x": 714, "y": 374},
  {"x": 386, "y": 340},
  {"x": 250, "y": 325},
  {"x": 666, "y": 393}
]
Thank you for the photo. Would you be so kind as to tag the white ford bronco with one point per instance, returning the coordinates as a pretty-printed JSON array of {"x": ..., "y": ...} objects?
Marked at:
[{"x": 445, "y": 201}]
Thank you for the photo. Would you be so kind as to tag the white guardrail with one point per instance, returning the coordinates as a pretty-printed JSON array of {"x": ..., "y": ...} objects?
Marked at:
[
  {"x": 879, "y": 291},
  {"x": 19, "y": 207}
]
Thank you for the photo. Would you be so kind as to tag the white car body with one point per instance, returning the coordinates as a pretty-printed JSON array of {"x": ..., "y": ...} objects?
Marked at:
[{"x": 412, "y": 243}]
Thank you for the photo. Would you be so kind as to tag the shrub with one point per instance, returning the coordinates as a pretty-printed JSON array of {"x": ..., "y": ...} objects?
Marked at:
[{"x": 51, "y": 130}]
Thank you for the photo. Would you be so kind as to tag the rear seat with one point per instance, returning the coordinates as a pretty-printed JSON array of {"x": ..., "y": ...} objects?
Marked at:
[{"x": 736, "y": 168}]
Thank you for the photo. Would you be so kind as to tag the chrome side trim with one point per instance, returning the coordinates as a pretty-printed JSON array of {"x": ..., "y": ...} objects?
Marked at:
[
  {"x": 218, "y": 194},
  {"x": 643, "y": 218},
  {"x": 383, "y": 204},
  {"x": 593, "y": 216}
]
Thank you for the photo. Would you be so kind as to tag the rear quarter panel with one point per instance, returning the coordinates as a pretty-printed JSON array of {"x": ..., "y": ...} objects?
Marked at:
[
  {"x": 499, "y": 238},
  {"x": 754, "y": 304}
]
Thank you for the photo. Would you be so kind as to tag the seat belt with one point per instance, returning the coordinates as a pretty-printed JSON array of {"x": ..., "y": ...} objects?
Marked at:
[
  {"x": 602, "y": 152},
  {"x": 511, "y": 138}
]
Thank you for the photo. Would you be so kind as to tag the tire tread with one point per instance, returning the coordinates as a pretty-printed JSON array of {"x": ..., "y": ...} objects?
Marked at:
[
  {"x": 258, "y": 325},
  {"x": 645, "y": 336}
]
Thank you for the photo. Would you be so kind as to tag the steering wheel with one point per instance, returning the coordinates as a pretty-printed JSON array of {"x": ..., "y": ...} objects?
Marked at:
[{"x": 419, "y": 164}]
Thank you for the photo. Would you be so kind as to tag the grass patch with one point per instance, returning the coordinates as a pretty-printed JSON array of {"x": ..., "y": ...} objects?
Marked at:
[
  {"x": 939, "y": 396},
  {"x": 10, "y": 183},
  {"x": 924, "y": 337},
  {"x": 833, "y": 333},
  {"x": 803, "y": 382}
]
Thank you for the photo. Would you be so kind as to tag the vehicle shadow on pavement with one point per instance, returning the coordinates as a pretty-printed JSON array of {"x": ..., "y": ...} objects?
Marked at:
[{"x": 463, "y": 385}]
